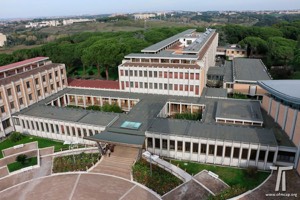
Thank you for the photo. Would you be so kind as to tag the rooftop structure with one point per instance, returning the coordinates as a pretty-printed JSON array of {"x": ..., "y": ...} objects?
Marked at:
[{"x": 282, "y": 90}]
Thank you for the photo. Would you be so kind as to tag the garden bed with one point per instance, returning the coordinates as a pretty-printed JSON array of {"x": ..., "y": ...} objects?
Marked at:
[
  {"x": 79, "y": 162},
  {"x": 18, "y": 165},
  {"x": 240, "y": 180},
  {"x": 161, "y": 181}
]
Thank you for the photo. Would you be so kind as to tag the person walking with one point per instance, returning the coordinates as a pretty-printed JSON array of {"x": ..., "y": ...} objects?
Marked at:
[{"x": 108, "y": 152}]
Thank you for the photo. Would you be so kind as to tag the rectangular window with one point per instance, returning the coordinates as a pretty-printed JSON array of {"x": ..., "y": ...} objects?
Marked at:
[
  {"x": 211, "y": 150},
  {"x": 195, "y": 147},
  {"x": 32, "y": 125},
  {"x": 187, "y": 146},
  {"x": 236, "y": 152},
  {"x": 150, "y": 73},
  {"x": 36, "y": 81},
  {"x": 179, "y": 145},
  {"x": 45, "y": 89},
  {"x": 253, "y": 154},
  {"x": 160, "y": 86},
  {"x": 145, "y": 74},
  {"x": 12, "y": 105},
  {"x": 39, "y": 92},
  {"x": 141, "y": 73},
  {"x": 141, "y": 84},
  {"x": 2, "y": 109},
  {"x": 130, "y": 72},
  {"x": 262, "y": 155},
  {"x": 146, "y": 85},
  {"x": 135, "y": 73},
  {"x": 160, "y": 74},
  {"x": 220, "y": 151},
  {"x": 270, "y": 156},
  {"x": 150, "y": 85},
  {"x": 56, "y": 73},
  {"x": 150, "y": 142},
  {"x": 245, "y": 154},
  {"x": 172, "y": 145},
  {"x": 42, "y": 126},
  {"x": 165, "y": 86},
  {"x": 21, "y": 101},
  {"x": 27, "y": 84},
  {"x": 126, "y": 72},
  {"x": 203, "y": 149},
  {"x": 9, "y": 92},
  {"x": 164, "y": 144},
  {"x": 18, "y": 88},
  {"x": 44, "y": 78},
  {"x": 30, "y": 97},
  {"x": 155, "y": 85},
  {"x": 155, "y": 74},
  {"x": 228, "y": 152},
  {"x": 170, "y": 86},
  {"x": 50, "y": 76},
  {"x": 37, "y": 126},
  {"x": 197, "y": 76},
  {"x": 157, "y": 143},
  {"x": 52, "y": 87}
]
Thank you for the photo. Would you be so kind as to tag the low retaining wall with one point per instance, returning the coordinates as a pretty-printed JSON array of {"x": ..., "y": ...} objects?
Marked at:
[
  {"x": 20, "y": 148},
  {"x": 11, "y": 159},
  {"x": 4, "y": 171}
]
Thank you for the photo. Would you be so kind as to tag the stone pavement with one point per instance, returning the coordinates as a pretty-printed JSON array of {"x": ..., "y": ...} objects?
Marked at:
[{"x": 78, "y": 186}]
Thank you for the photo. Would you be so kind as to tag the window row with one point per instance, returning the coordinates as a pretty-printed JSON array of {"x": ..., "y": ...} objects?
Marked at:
[
  {"x": 28, "y": 86},
  {"x": 160, "y": 86},
  {"x": 55, "y": 128},
  {"x": 160, "y": 74},
  {"x": 210, "y": 149}
]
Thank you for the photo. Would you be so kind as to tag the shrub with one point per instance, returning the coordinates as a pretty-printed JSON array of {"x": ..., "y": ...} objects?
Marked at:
[
  {"x": 21, "y": 158},
  {"x": 91, "y": 72},
  {"x": 111, "y": 108},
  {"x": 16, "y": 136},
  {"x": 98, "y": 108},
  {"x": 189, "y": 116},
  {"x": 251, "y": 171}
]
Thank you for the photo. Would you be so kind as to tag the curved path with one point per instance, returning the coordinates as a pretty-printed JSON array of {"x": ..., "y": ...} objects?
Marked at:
[{"x": 77, "y": 186}]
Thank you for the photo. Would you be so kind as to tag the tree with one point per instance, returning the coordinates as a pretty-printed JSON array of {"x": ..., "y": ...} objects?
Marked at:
[
  {"x": 281, "y": 50},
  {"x": 16, "y": 136},
  {"x": 21, "y": 158},
  {"x": 107, "y": 53},
  {"x": 254, "y": 44}
]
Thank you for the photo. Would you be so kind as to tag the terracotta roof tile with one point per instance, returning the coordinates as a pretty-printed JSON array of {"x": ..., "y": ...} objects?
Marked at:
[{"x": 101, "y": 84}]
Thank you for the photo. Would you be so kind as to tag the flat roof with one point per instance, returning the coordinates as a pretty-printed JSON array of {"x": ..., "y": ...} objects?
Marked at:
[
  {"x": 199, "y": 43},
  {"x": 187, "y": 128},
  {"x": 220, "y": 71},
  {"x": 239, "y": 110},
  {"x": 248, "y": 69},
  {"x": 22, "y": 63},
  {"x": 162, "y": 44},
  {"x": 117, "y": 138},
  {"x": 70, "y": 115},
  {"x": 162, "y": 65},
  {"x": 103, "y": 84},
  {"x": 287, "y": 90},
  {"x": 214, "y": 92},
  {"x": 146, "y": 112},
  {"x": 162, "y": 54},
  {"x": 228, "y": 74}
]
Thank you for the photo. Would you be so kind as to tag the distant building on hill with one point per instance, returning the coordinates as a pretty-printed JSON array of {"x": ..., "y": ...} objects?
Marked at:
[{"x": 3, "y": 39}]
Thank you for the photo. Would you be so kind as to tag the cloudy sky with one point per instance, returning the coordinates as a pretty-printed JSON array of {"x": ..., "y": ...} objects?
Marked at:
[{"x": 39, "y": 8}]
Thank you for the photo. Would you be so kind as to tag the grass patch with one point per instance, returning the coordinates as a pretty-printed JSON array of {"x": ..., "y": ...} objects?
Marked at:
[
  {"x": 17, "y": 165},
  {"x": 161, "y": 180},
  {"x": 240, "y": 180},
  {"x": 78, "y": 162},
  {"x": 42, "y": 143},
  {"x": 105, "y": 108}
]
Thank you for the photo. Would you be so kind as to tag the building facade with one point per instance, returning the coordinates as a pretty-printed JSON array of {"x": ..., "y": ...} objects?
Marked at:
[
  {"x": 25, "y": 83},
  {"x": 177, "y": 65},
  {"x": 3, "y": 39}
]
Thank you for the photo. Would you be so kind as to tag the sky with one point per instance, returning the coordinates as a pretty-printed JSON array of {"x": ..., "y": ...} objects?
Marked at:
[{"x": 46, "y": 8}]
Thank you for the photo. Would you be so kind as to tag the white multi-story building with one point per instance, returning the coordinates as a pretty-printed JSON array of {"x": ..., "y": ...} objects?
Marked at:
[
  {"x": 3, "y": 39},
  {"x": 177, "y": 65}
]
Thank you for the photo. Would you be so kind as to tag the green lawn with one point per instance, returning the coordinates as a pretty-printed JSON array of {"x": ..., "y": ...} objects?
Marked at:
[
  {"x": 161, "y": 180},
  {"x": 17, "y": 165},
  {"x": 42, "y": 143},
  {"x": 240, "y": 180}
]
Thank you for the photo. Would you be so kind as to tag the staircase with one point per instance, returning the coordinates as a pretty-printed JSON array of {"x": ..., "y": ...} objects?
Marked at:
[{"x": 119, "y": 163}]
